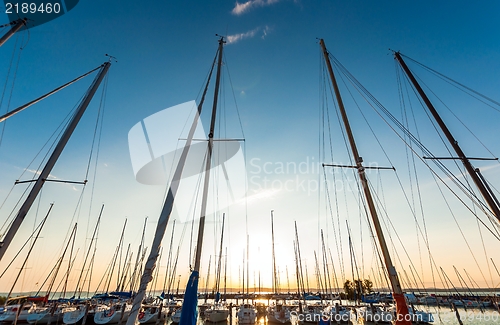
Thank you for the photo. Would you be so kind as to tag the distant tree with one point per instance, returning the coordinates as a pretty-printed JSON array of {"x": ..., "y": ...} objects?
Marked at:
[
  {"x": 355, "y": 289},
  {"x": 368, "y": 286},
  {"x": 2, "y": 300}
]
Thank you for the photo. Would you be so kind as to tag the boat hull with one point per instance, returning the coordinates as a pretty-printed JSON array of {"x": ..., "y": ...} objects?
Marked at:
[
  {"x": 44, "y": 317},
  {"x": 246, "y": 315},
  {"x": 111, "y": 316},
  {"x": 151, "y": 316},
  {"x": 216, "y": 315}
]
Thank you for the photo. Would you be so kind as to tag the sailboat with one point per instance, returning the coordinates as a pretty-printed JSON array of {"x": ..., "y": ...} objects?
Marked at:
[
  {"x": 247, "y": 314},
  {"x": 116, "y": 313},
  {"x": 47, "y": 315},
  {"x": 52, "y": 313},
  {"x": 189, "y": 313},
  {"x": 217, "y": 312},
  {"x": 17, "y": 309},
  {"x": 278, "y": 313},
  {"x": 44, "y": 174},
  {"x": 402, "y": 313},
  {"x": 118, "y": 307}
]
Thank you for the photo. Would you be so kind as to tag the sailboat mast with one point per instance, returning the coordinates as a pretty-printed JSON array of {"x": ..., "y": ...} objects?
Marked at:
[
  {"x": 189, "y": 312},
  {"x": 17, "y": 25},
  {"x": 473, "y": 172},
  {"x": 275, "y": 287},
  {"x": 88, "y": 252},
  {"x": 31, "y": 248},
  {"x": 115, "y": 257},
  {"x": 167, "y": 273},
  {"x": 402, "y": 308},
  {"x": 23, "y": 211},
  {"x": 219, "y": 266},
  {"x": 161, "y": 226},
  {"x": 34, "y": 101},
  {"x": 204, "y": 200},
  {"x": 225, "y": 274}
]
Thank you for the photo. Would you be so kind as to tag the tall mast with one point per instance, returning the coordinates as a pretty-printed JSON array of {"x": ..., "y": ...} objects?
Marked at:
[
  {"x": 23, "y": 211},
  {"x": 115, "y": 257},
  {"x": 168, "y": 205},
  {"x": 17, "y": 25},
  {"x": 77, "y": 289},
  {"x": 326, "y": 271},
  {"x": 275, "y": 286},
  {"x": 225, "y": 274},
  {"x": 473, "y": 172},
  {"x": 219, "y": 266},
  {"x": 397, "y": 291},
  {"x": 209, "y": 161},
  {"x": 34, "y": 101},
  {"x": 189, "y": 310},
  {"x": 31, "y": 248}
]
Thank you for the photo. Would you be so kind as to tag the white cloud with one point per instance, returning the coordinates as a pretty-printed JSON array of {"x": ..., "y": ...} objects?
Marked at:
[
  {"x": 250, "y": 34},
  {"x": 241, "y": 8},
  {"x": 38, "y": 172}
]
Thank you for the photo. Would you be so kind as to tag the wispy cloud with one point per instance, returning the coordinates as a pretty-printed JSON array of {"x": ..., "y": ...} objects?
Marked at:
[
  {"x": 263, "y": 31},
  {"x": 38, "y": 172},
  {"x": 241, "y": 8}
]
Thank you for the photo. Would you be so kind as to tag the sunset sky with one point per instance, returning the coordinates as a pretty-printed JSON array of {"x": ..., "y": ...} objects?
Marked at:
[{"x": 272, "y": 97}]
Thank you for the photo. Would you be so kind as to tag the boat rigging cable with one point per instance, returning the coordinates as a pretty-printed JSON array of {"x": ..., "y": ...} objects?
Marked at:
[
  {"x": 7, "y": 239},
  {"x": 360, "y": 87},
  {"x": 165, "y": 215},
  {"x": 22, "y": 247},
  {"x": 374, "y": 104},
  {"x": 92, "y": 240},
  {"x": 473, "y": 172},
  {"x": 29, "y": 251},
  {"x": 16, "y": 26},
  {"x": 7, "y": 81},
  {"x": 417, "y": 184}
]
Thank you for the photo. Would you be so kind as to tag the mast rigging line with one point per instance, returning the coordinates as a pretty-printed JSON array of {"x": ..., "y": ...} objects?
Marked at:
[
  {"x": 493, "y": 207},
  {"x": 57, "y": 134},
  {"x": 455, "y": 83},
  {"x": 23, "y": 211},
  {"x": 100, "y": 117},
  {"x": 417, "y": 182},
  {"x": 381, "y": 206},
  {"x": 22, "y": 247},
  {"x": 22, "y": 107},
  {"x": 30, "y": 249},
  {"x": 165, "y": 214},
  {"x": 13, "y": 82},
  {"x": 413, "y": 139},
  {"x": 337, "y": 240}
]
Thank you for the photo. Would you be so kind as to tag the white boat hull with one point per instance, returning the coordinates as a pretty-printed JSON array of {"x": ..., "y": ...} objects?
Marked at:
[
  {"x": 246, "y": 315},
  {"x": 44, "y": 317},
  {"x": 73, "y": 315},
  {"x": 216, "y": 315},
  {"x": 111, "y": 316},
  {"x": 150, "y": 316}
]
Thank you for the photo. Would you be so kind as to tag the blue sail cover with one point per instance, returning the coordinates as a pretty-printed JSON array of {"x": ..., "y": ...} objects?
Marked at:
[
  {"x": 189, "y": 313},
  {"x": 217, "y": 297}
]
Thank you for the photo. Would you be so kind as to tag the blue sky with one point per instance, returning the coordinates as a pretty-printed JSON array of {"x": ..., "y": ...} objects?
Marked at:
[{"x": 164, "y": 50}]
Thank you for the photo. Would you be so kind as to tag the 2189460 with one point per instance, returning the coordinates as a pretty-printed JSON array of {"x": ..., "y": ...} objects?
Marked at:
[{"x": 26, "y": 7}]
